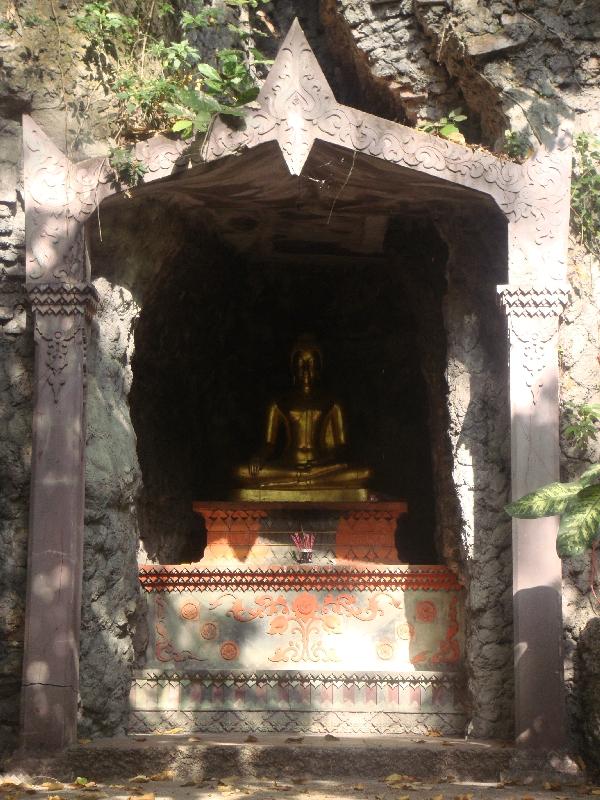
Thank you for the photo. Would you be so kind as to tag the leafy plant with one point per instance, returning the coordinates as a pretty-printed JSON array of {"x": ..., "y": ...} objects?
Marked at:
[
  {"x": 225, "y": 90},
  {"x": 102, "y": 25},
  {"x": 128, "y": 170},
  {"x": 583, "y": 425},
  {"x": 577, "y": 503},
  {"x": 162, "y": 84},
  {"x": 585, "y": 192},
  {"x": 516, "y": 145},
  {"x": 446, "y": 127}
]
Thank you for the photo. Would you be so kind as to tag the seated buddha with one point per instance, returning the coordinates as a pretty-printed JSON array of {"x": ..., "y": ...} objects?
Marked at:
[{"x": 303, "y": 455}]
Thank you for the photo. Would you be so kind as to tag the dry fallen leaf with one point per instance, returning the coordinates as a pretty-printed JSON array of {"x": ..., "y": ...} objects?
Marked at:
[
  {"x": 194, "y": 738},
  {"x": 171, "y": 731},
  {"x": 295, "y": 739},
  {"x": 434, "y": 732},
  {"x": 329, "y": 737},
  {"x": 397, "y": 777},
  {"x": 52, "y": 786},
  {"x": 359, "y": 787},
  {"x": 188, "y": 783},
  {"x": 165, "y": 775},
  {"x": 83, "y": 741},
  {"x": 438, "y": 797},
  {"x": 230, "y": 780},
  {"x": 139, "y": 779},
  {"x": 251, "y": 738},
  {"x": 146, "y": 796}
]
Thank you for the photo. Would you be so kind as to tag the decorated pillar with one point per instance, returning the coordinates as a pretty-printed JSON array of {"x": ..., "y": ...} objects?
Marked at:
[
  {"x": 58, "y": 199},
  {"x": 54, "y": 570},
  {"x": 533, "y": 313}
]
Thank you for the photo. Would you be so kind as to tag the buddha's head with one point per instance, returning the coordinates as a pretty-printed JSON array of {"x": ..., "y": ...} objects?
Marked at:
[{"x": 306, "y": 362}]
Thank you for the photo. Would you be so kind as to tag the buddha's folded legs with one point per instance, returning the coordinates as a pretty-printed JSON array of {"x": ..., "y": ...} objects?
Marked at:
[{"x": 317, "y": 476}]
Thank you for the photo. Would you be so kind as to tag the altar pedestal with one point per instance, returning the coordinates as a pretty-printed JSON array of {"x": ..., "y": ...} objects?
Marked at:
[
  {"x": 248, "y": 639},
  {"x": 260, "y": 533}
]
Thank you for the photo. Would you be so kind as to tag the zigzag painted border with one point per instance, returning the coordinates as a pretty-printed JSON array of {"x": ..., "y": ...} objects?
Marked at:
[
  {"x": 176, "y": 578},
  {"x": 291, "y": 678}
]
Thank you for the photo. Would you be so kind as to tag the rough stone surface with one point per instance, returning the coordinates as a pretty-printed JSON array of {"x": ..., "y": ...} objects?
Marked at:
[
  {"x": 580, "y": 383},
  {"x": 480, "y": 438},
  {"x": 509, "y": 65},
  {"x": 463, "y": 352},
  {"x": 111, "y": 594},
  {"x": 589, "y": 692},
  {"x": 273, "y": 757},
  {"x": 16, "y": 362}
]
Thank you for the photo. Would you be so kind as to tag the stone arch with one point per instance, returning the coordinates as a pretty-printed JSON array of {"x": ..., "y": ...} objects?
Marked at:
[{"x": 297, "y": 112}]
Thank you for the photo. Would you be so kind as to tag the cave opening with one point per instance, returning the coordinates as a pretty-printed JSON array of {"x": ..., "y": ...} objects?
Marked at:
[
  {"x": 391, "y": 271},
  {"x": 212, "y": 346}
]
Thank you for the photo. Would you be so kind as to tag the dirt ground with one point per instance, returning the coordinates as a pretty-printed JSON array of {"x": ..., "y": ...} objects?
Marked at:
[{"x": 161, "y": 786}]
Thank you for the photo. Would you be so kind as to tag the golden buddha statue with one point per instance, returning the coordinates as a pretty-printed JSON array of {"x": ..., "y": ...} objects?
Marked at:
[{"x": 310, "y": 463}]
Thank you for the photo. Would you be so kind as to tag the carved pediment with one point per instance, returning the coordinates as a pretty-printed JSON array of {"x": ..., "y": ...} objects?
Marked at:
[{"x": 295, "y": 108}]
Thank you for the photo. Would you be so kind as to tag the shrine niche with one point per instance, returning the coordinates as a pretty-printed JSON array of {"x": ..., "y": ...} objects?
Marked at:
[
  {"x": 254, "y": 638},
  {"x": 305, "y": 172}
]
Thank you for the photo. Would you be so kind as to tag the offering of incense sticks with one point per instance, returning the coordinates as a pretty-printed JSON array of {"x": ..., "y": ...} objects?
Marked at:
[{"x": 304, "y": 544}]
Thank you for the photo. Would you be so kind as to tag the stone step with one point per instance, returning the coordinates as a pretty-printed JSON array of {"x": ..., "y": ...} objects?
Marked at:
[{"x": 272, "y": 756}]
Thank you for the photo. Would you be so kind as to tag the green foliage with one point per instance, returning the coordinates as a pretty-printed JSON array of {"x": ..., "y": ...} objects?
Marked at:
[
  {"x": 545, "y": 502},
  {"x": 516, "y": 145},
  {"x": 583, "y": 423},
  {"x": 102, "y": 25},
  {"x": 579, "y": 523},
  {"x": 446, "y": 127},
  {"x": 578, "y": 504},
  {"x": 585, "y": 192},
  {"x": 127, "y": 169},
  {"x": 33, "y": 21},
  {"x": 160, "y": 84}
]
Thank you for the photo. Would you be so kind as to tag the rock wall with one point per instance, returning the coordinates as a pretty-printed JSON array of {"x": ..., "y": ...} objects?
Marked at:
[
  {"x": 16, "y": 369},
  {"x": 518, "y": 65},
  {"x": 580, "y": 383},
  {"x": 463, "y": 355},
  {"x": 112, "y": 609},
  {"x": 478, "y": 404}
]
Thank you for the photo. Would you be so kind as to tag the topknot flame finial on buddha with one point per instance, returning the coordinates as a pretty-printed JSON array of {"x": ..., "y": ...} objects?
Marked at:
[{"x": 311, "y": 464}]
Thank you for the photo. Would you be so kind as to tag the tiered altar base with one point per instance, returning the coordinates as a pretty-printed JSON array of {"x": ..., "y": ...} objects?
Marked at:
[{"x": 248, "y": 639}]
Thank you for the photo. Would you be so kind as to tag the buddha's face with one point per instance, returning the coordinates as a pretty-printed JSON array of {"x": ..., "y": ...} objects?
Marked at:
[{"x": 306, "y": 368}]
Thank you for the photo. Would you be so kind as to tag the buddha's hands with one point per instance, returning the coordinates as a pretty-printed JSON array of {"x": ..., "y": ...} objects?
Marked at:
[{"x": 255, "y": 466}]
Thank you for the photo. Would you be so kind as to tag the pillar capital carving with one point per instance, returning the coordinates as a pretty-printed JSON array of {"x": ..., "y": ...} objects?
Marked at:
[
  {"x": 63, "y": 298},
  {"x": 536, "y": 300}
]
